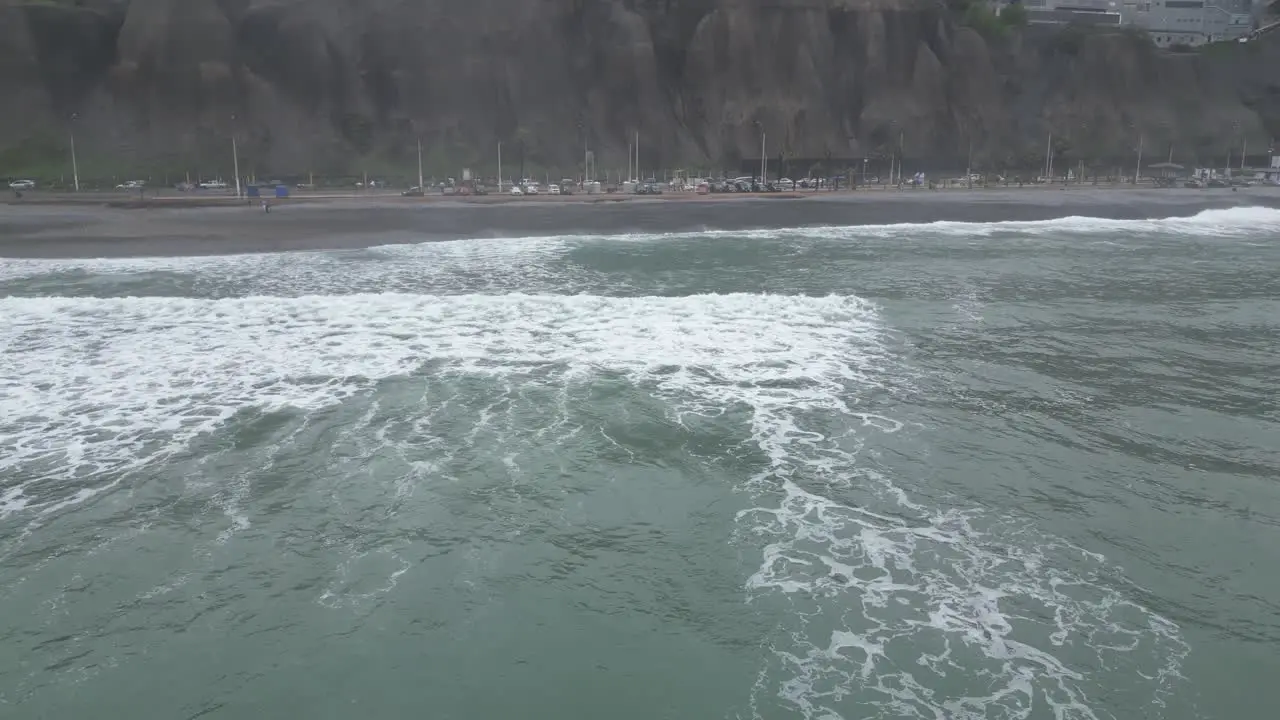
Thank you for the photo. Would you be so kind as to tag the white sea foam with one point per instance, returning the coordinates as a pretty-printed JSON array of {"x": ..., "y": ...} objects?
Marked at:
[
  {"x": 903, "y": 610},
  {"x": 950, "y": 614},
  {"x": 92, "y": 387},
  {"x": 893, "y": 601},
  {"x": 1232, "y": 222},
  {"x": 537, "y": 263},
  {"x": 490, "y": 265}
]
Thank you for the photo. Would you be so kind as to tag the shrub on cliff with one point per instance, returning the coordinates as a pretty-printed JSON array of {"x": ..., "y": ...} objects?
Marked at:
[
  {"x": 1015, "y": 15},
  {"x": 990, "y": 25},
  {"x": 987, "y": 23}
]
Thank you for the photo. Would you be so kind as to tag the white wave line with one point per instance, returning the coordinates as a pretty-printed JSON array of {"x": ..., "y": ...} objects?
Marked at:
[{"x": 542, "y": 255}]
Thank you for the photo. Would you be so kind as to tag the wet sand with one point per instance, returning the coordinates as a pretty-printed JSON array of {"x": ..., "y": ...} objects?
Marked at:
[{"x": 54, "y": 230}]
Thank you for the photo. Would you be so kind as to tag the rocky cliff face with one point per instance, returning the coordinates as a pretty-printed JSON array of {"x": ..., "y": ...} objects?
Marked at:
[{"x": 326, "y": 85}]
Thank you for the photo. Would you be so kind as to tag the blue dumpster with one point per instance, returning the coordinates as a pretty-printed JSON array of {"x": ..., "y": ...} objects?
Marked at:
[
  {"x": 251, "y": 191},
  {"x": 282, "y": 191}
]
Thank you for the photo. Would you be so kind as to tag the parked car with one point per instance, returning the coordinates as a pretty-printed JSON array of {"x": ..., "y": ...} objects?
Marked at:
[
  {"x": 414, "y": 191},
  {"x": 515, "y": 190},
  {"x": 213, "y": 185},
  {"x": 132, "y": 185},
  {"x": 553, "y": 189},
  {"x": 22, "y": 185}
]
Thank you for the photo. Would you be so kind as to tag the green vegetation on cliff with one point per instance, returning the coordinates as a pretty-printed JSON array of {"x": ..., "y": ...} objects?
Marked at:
[{"x": 991, "y": 25}]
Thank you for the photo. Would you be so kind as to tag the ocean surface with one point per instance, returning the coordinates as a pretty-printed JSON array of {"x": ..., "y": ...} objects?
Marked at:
[{"x": 943, "y": 471}]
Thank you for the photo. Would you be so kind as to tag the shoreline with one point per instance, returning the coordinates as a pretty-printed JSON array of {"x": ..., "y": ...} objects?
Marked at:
[
  {"x": 51, "y": 229},
  {"x": 167, "y": 199}
]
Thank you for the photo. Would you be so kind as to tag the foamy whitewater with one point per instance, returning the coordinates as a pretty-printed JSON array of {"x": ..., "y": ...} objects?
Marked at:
[{"x": 916, "y": 471}]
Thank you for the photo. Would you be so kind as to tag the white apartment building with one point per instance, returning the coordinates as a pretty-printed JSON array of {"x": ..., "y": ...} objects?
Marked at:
[
  {"x": 1190, "y": 22},
  {"x": 1084, "y": 12},
  {"x": 1169, "y": 22}
]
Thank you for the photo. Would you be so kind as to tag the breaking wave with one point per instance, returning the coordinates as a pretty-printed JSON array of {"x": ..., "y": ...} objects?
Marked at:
[
  {"x": 895, "y": 608},
  {"x": 537, "y": 262}
]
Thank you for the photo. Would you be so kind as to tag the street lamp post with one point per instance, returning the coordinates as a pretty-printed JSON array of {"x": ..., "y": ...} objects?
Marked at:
[
  {"x": 235, "y": 155},
  {"x": 420, "y": 166},
  {"x": 893, "y": 154},
  {"x": 499, "y": 167},
  {"x": 763, "y": 160},
  {"x": 1048, "y": 159},
  {"x": 586, "y": 153},
  {"x": 1081, "y": 151},
  {"x": 902, "y": 152},
  {"x": 1137, "y": 169},
  {"x": 75, "y": 167},
  {"x": 968, "y": 170},
  {"x": 235, "y": 161}
]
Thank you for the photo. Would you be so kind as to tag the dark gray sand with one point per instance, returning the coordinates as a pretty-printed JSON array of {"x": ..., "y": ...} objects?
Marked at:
[{"x": 52, "y": 230}]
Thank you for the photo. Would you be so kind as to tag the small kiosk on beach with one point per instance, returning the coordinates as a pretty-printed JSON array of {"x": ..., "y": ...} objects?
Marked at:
[
  {"x": 1165, "y": 174},
  {"x": 1272, "y": 174}
]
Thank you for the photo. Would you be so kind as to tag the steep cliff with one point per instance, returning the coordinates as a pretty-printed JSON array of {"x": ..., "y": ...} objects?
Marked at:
[{"x": 328, "y": 85}]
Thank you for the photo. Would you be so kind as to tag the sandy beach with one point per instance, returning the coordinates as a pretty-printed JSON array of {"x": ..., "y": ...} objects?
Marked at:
[{"x": 54, "y": 229}]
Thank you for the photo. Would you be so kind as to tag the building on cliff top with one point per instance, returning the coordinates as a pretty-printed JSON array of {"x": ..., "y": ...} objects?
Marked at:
[
  {"x": 1168, "y": 22},
  {"x": 1191, "y": 22},
  {"x": 1079, "y": 12}
]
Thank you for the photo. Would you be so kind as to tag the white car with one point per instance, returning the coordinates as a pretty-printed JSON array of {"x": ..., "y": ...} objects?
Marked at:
[
  {"x": 531, "y": 189},
  {"x": 22, "y": 185},
  {"x": 515, "y": 190},
  {"x": 553, "y": 189},
  {"x": 213, "y": 185},
  {"x": 132, "y": 185}
]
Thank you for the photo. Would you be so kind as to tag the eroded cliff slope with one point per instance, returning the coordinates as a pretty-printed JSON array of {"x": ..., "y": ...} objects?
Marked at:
[{"x": 333, "y": 84}]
